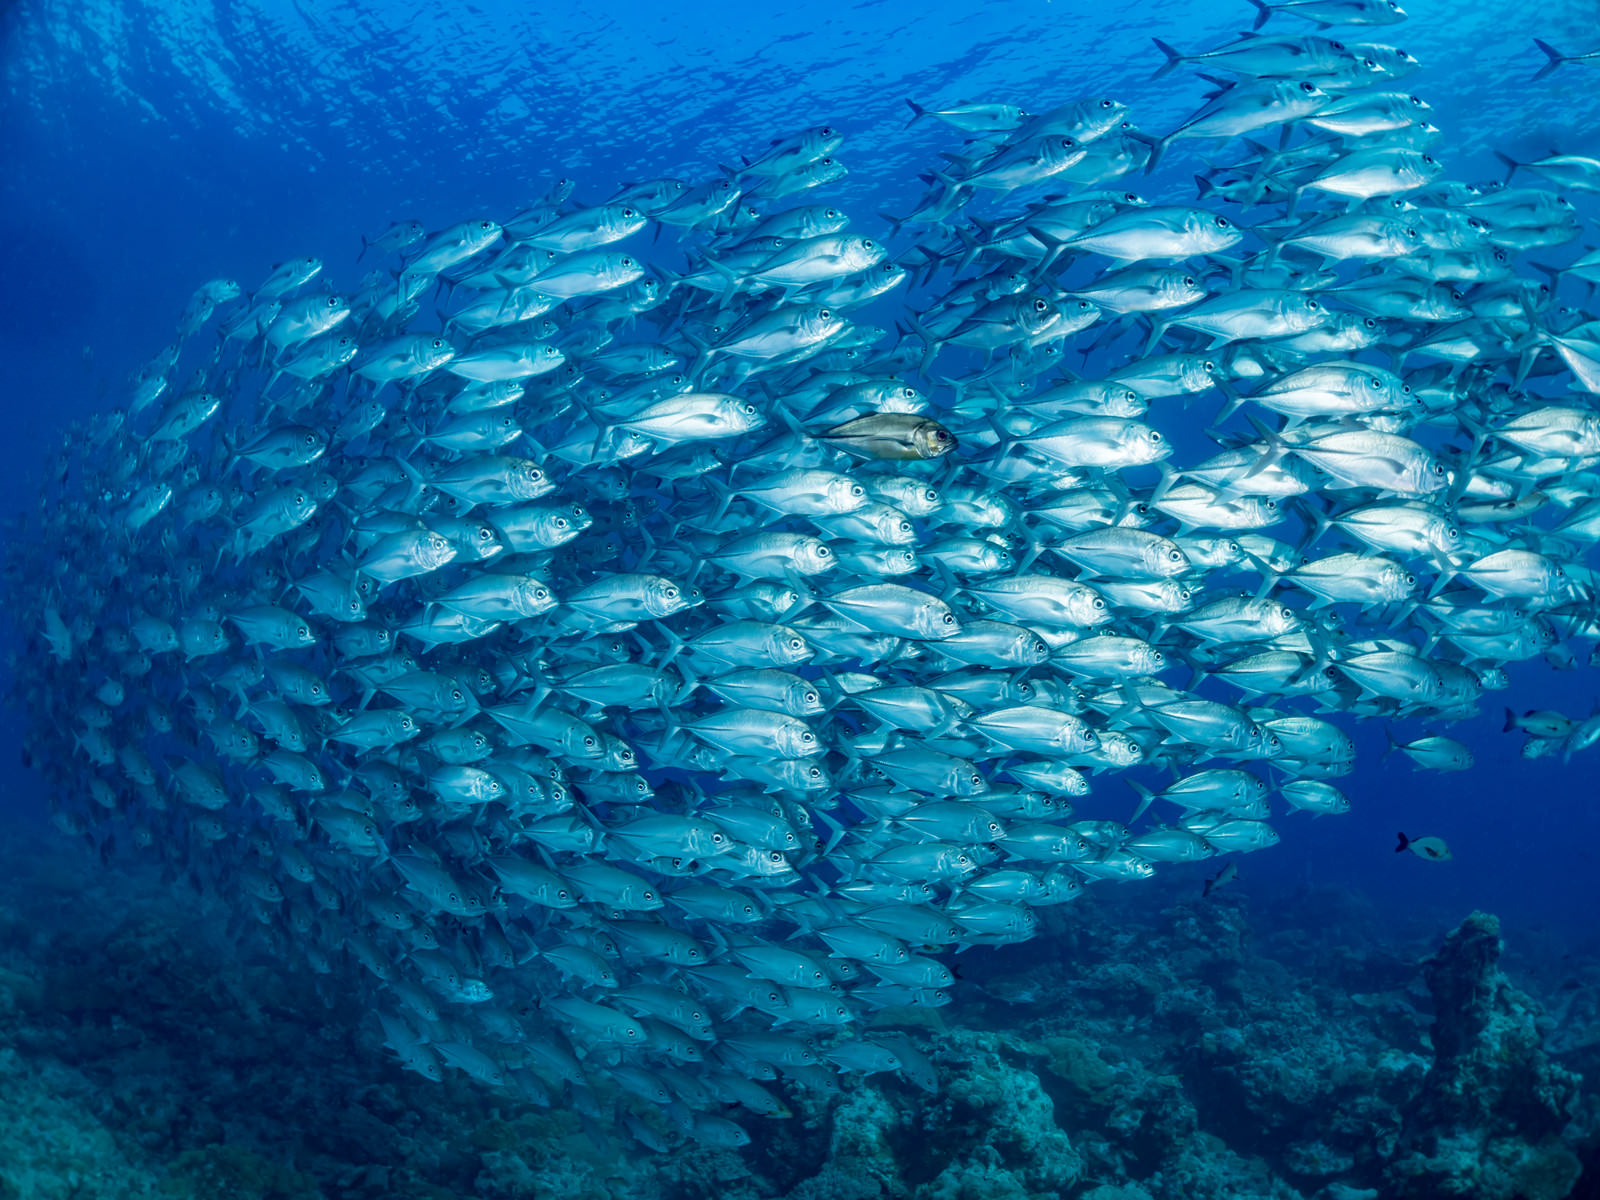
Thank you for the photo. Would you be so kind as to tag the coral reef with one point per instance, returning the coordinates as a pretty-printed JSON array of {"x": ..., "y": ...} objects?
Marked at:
[
  {"x": 1153, "y": 1050},
  {"x": 1489, "y": 1117}
]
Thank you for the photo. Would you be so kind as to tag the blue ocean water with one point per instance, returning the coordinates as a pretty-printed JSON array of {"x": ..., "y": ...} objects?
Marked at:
[
  {"x": 149, "y": 147},
  {"x": 146, "y": 147}
]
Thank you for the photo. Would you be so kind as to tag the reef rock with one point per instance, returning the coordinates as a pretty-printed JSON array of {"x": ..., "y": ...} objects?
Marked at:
[{"x": 1489, "y": 1118}]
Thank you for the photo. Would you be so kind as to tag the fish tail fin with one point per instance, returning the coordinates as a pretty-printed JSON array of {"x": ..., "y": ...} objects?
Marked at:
[
  {"x": 1174, "y": 57},
  {"x": 1263, "y": 14},
  {"x": 1393, "y": 744},
  {"x": 1276, "y": 448},
  {"x": 1054, "y": 245},
  {"x": 1511, "y": 165},
  {"x": 1007, "y": 438},
  {"x": 730, "y": 280},
  {"x": 1447, "y": 574},
  {"x": 724, "y": 493},
  {"x": 675, "y": 644},
  {"x": 1554, "y": 273},
  {"x": 1232, "y": 401},
  {"x": 835, "y": 830},
  {"x": 1169, "y": 475},
  {"x": 1158, "y": 330},
  {"x": 1270, "y": 576},
  {"x": 917, "y": 112},
  {"x": 1158, "y": 146},
  {"x": 1405, "y": 843},
  {"x": 1146, "y": 799},
  {"x": 1034, "y": 549},
  {"x": 690, "y": 685},
  {"x": 930, "y": 343},
  {"x": 971, "y": 247},
  {"x": 1402, "y": 613},
  {"x": 1555, "y": 56}
]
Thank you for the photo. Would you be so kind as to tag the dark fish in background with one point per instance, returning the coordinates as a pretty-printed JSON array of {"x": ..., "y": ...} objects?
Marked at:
[
  {"x": 1228, "y": 874},
  {"x": 1431, "y": 848}
]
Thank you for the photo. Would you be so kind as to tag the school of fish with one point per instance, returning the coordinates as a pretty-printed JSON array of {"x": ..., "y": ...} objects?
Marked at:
[{"x": 648, "y": 669}]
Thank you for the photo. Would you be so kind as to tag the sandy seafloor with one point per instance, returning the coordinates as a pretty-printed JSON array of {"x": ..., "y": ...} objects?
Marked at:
[{"x": 1150, "y": 1043}]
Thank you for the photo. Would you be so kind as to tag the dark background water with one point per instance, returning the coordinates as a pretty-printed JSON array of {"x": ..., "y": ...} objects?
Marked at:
[{"x": 146, "y": 147}]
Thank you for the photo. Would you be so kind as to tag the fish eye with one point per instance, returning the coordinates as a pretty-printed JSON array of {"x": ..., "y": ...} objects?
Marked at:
[
  {"x": 941, "y": 435},
  {"x": 455, "y": 693},
  {"x": 1308, "y": 88},
  {"x": 825, "y": 313},
  {"x": 1040, "y": 305},
  {"x": 1221, "y": 222},
  {"x": 1066, "y": 143},
  {"x": 1099, "y": 603}
]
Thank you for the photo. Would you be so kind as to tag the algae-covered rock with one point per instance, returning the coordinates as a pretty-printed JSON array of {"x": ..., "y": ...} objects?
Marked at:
[
  {"x": 1078, "y": 1063},
  {"x": 227, "y": 1172},
  {"x": 1487, "y": 1119},
  {"x": 998, "y": 1132},
  {"x": 1111, "y": 1191},
  {"x": 54, "y": 1147},
  {"x": 968, "y": 1180}
]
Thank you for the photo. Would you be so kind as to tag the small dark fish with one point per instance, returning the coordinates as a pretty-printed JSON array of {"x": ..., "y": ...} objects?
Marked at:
[
  {"x": 1222, "y": 878},
  {"x": 1431, "y": 848},
  {"x": 1540, "y": 723}
]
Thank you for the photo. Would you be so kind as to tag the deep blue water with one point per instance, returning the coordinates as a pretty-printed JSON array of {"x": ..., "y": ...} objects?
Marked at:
[{"x": 149, "y": 146}]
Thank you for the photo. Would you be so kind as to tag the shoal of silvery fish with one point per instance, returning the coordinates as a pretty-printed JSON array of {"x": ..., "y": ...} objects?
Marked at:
[{"x": 647, "y": 674}]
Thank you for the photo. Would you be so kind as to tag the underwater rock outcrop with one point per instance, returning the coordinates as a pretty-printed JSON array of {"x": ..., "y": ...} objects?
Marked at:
[{"x": 1488, "y": 1119}]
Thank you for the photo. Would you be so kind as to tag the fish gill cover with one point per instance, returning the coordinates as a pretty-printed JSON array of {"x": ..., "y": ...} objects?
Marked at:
[{"x": 649, "y": 628}]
